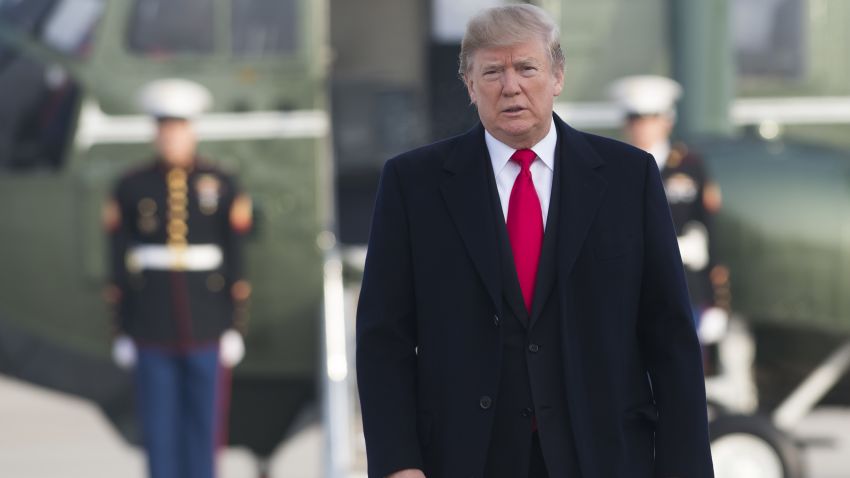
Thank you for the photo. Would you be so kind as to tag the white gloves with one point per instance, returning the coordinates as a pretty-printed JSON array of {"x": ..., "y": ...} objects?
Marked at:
[
  {"x": 231, "y": 348},
  {"x": 713, "y": 324},
  {"x": 124, "y": 352},
  {"x": 693, "y": 245}
]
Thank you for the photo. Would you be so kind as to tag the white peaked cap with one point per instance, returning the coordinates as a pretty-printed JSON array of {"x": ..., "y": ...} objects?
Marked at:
[
  {"x": 646, "y": 94},
  {"x": 174, "y": 98}
]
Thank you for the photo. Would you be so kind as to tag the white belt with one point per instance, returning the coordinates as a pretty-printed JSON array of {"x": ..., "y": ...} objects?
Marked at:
[{"x": 198, "y": 257}]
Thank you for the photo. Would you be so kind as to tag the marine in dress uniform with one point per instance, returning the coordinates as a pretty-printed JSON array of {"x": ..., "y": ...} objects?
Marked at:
[
  {"x": 176, "y": 227},
  {"x": 649, "y": 105}
]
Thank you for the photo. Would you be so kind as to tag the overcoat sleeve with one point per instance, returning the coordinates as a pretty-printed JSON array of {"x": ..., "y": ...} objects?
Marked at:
[
  {"x": 670, "y": 346},
  {"x": 386, "y": 336}
]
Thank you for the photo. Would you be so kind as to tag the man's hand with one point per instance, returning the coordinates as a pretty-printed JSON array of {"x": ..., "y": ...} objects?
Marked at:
[
  {"x": 124, "y": 352},
  {"x": 231, "y": 348},
  {"x": 409, "y": 473}
]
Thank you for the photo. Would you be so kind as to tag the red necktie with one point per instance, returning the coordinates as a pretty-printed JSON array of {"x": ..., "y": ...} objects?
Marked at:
[{"x": 525, "y": 225}]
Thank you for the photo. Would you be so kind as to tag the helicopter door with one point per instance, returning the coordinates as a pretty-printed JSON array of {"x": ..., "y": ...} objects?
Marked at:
[{"x": 39, "y": 105}]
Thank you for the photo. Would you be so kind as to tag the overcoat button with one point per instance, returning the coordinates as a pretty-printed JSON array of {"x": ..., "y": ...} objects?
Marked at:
[
  {"x": 485, "y": 402},
  {"x": 495, "y": 320},
  {"x": 527, "y": 412},
  {"x": 534, "y": 348}
]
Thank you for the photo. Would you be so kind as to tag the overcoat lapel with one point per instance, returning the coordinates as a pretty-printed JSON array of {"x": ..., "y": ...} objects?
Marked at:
[
  {"x": 582, "y": 190},
  {"x": 510, "y": 280},
  {"x": 467, "y": 195}
]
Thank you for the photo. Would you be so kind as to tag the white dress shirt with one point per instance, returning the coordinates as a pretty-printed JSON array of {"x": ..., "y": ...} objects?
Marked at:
[{"x": 542, "y": 168}]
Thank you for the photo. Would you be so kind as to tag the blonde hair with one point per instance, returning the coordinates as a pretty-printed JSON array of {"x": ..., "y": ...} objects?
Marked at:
[{"x": 509, "y": 25}]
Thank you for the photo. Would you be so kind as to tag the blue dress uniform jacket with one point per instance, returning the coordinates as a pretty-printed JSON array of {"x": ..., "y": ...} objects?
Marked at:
[
  {"x": 685, "y": 181},
  {"x": 431, "y": 353},
  {"x": 175, "y": 253}
]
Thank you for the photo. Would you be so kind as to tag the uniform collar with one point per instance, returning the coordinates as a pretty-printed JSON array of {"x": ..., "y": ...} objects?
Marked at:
[
  {"x": 164, "y": 167},
  {"x": 500, "y": 153},
  {"x": 661, "y": 152}
]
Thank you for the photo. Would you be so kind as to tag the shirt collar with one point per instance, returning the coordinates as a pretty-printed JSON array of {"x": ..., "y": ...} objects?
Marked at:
[{"x": 500, "y": 153}]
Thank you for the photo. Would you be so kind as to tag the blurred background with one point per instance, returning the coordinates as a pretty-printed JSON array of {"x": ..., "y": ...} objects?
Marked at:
[{"x": 310, "y": 98}]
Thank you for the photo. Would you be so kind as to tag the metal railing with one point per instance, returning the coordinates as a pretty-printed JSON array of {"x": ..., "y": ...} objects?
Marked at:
[{"x": 344, "y": 447}]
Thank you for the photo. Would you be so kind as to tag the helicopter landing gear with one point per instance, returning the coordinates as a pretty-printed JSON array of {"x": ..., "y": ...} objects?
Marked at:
[{"x": 747, "y": 446}]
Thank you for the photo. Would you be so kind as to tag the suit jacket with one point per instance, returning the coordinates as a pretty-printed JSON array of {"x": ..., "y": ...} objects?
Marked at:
[
  {"x": 429, "y": 347},
  {"x": 532, "y": 389}
]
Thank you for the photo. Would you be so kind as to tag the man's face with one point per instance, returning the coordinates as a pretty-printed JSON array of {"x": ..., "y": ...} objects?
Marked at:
[
  {"x": 647, "y": 131},
  {"x": 514, "y": 89},
  {"x": 175, "y": 142}
]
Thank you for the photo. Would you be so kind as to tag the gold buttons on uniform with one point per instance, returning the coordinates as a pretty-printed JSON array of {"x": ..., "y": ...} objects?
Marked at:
[
  {"x": 177, "y": 215},
  {"x": 177, "y": 229},
  {"x": 178, "y": 199}
]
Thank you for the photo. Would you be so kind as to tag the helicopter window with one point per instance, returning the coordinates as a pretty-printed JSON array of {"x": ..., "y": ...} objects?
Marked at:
[
  {"x": 264, "y": 27},
  {"x": 164, "y": 27},
  {"x": 71, "y": 24},
  {"x": 768, "y": 37},
  {"x": 64, "y": 25}
]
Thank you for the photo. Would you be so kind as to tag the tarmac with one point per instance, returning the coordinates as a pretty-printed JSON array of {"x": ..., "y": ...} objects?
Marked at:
[{"x": 45, "y": 434}]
